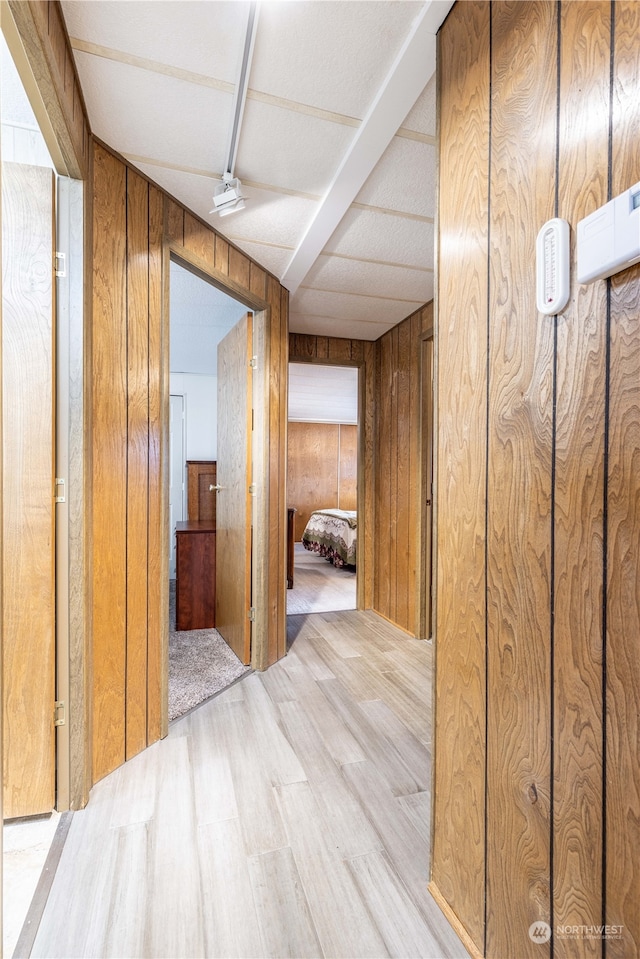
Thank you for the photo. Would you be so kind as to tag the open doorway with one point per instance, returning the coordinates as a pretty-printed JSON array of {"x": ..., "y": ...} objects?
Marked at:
[
  {"x": 202, "y": 318},
  {"x": 322, "y": 483}
]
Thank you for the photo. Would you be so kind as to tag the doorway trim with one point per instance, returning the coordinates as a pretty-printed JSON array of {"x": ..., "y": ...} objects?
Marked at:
[
  {"x": 365, "y": 482},
  {"x": 261, "y": 344}
]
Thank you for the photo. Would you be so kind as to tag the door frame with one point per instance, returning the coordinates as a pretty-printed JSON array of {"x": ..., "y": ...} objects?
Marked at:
[
  {"x": 261, "y": 343},
  {"x": 365, "y": 487}
]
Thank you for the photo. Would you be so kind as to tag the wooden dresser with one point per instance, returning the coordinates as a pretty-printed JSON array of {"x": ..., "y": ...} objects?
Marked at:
[
  {"x": 201, "y": 499},
  {"x": 195, "y": 574}
]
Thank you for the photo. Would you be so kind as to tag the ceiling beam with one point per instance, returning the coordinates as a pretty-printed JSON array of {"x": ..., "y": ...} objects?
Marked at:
[{"x": 411, "y": 71}]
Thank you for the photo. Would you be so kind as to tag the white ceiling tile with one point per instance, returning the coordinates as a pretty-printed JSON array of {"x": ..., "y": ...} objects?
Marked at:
[
  {"x": 349, "y": 307},
  {"x": 288, "y": 149},
  {"x": 333, "y": 55},
  {"x": 378, "y": 236},
  {"x": 404, "y": 179},
  {"x": 330, "y": 326},
  {"x": 280, "y": 218},
  {"x": 376, "y": 279},
  {"x": 422, "y": 116},
  {"x": 204, "y": 38},
  {"x": 153, "y": 115}
]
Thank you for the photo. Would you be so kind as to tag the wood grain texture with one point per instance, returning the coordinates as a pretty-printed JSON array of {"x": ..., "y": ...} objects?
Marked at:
[
  {"x": 109, "y": 435},
  {"x": 398, "y": 505},
  {"x": 28, "y": 609},
  {"x": 520, "y": 396},
  {"x": 233, "y": 511},
  {"x": 157, "y": 621},
  {"x": 43, "y": 33},
  {"x": 137, "y": 461},
  {"x": 119, "y": 405},
  {"x": 313, "y": 469},
  {"x": 622, "y": 822},
  {"x": 459, "y": 776},
  {"x": 348, "y": 467},
  {"x": 579, "y": 491}
]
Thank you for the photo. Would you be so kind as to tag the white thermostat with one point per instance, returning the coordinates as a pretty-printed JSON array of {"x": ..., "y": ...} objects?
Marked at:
[
  {"x": 552, "y": 267},
  {"x": 609, "y": 238}
]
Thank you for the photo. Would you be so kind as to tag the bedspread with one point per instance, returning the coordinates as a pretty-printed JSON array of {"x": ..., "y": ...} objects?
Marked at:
[{"x": 332, "y": 533}]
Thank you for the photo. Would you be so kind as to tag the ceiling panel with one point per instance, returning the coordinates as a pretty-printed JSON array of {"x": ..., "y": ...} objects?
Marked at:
[
  {"x": 330, "y": 326},
  {"x": 333, "y": 55},
  {"x": 378, "y": 236},
  {"x": 277, "y": 216},
  {"x": 422, "y": 116},
  {"x": 154, "y": 115},
  {"x": 273, "y": 258},
  {"x": 204, "y": 38},
  {"x": 349, "y": 307},
  {"x": 404, "y": 178},
  {"x": 284, "y": 148},
  {"x": 375, "y": 279}
]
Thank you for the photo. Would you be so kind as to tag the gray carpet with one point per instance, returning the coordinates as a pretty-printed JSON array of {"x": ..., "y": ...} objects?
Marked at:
[{"x": 200, "y": 663}]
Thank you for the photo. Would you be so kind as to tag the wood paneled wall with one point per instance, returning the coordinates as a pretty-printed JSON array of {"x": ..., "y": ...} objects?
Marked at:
[
  {"x": 135, "y": 225},
  {"x": 42, "y": 30},
  {"x": 537, "y": 765},
  {"x": 304, "y": 348},
  {"x": 322, "y": 469},
  {"x": 398, "y": 471}
]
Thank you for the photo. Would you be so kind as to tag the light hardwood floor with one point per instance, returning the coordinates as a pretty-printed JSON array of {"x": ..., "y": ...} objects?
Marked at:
[
  {"x": 318, "y": 586},
  {"x": 289, "y": 816}
]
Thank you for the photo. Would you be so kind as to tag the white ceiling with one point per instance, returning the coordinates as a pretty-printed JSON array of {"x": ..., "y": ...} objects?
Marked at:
[{"x": 337, "y": 144}]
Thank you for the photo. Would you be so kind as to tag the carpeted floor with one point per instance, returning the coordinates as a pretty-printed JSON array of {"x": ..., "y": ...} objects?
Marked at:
[
  {"x": 318, "y": 587},
  {"x": 200, "y": 663}
]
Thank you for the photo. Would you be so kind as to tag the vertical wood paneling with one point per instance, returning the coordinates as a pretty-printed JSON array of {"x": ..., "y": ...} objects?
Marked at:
[
  {"x": 397, "y": 502},
  {"x": 321, "y": 470},
  {"x": 348, "y": 467},
  {"x": 157, "y": 624},
  {"x": 521, "y": 358},
  {"x": 405, "y": 569},
  {"x": 137, "y": 460},
  {"x": 130, "y": 386},
  {"x": 563, "y": 484},
  {"x": 174, "y": 221},
  {"x": 109, "y": 434},
  {"x": 579, "y": 490},
  {"x": 623, "y": 536},
  {"x": 384, "y": 569},
  {"x": 199, "y": 239},
  {"x": 459, "y": 777}
]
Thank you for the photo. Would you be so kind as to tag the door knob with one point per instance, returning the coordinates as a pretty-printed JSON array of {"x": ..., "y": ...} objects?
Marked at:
[{"x": 214, "y": 489}]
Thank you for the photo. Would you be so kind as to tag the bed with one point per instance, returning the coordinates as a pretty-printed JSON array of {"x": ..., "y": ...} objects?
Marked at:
[{"x": 332, "y": 533}]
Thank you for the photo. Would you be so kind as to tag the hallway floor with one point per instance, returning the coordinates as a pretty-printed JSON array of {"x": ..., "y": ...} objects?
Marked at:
[{"x": 288, "y": 816}]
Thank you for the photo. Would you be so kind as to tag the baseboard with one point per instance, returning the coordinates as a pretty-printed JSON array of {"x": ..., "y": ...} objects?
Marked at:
[{"x": 455, "y": 923}]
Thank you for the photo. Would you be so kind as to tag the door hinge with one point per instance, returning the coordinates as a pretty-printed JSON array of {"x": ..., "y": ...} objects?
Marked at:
[
  {"x": 59, "y": 495},
  {"x": 253, "y": 362},
  {"x": 61, "y": 264},
  {"x": 59, "y": 717},
  {"x": 252, "y": 614},
  {"x": 253, "y": 489}
]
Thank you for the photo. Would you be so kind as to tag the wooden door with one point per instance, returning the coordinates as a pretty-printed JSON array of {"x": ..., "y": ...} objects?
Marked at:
[
  {"x": 28, "y": 475},
  {"x": 233, "y": 507},
  {"x": 426, "y": 586},
  {"x": 176, "y": 474}
]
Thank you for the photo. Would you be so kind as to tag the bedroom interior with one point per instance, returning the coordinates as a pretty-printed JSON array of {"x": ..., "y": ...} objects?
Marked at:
[
  {"x": 322, "y": 483},
  {"x": 201, "y": 663}
]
